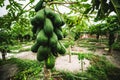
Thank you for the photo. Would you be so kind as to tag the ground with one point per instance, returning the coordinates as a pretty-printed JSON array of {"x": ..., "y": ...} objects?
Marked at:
[
  {"x": 75, "y": 64},
  {"x": 114, "y": 59}
]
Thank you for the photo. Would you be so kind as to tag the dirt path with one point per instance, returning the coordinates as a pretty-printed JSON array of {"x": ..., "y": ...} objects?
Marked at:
[
  {"x": 23, "y": 55},
  {"x": 115, "y": 58},
  {"x": 7, "y": 71},
  {"x": 75, "y": 64},
  {"x": 63, "y": 64}
]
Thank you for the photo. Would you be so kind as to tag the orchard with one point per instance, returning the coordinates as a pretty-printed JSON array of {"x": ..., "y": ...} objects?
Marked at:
[{"x": 59, "y": 40}]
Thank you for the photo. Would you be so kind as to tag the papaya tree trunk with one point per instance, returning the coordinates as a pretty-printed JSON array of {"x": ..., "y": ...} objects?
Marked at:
[
  {"x": 47, "y": 73},
  {"x": 4, "y": 53},
  {"x": 116, "y": 4},
  {"x": 3, "y": 56},
  {"x": 82, "y": 65},
  {"x": 69, "y": 53},
  {"x": 111, "y": 41},
  {"x": 116, "y": 37},
  {"x": 97, "y": 36}
]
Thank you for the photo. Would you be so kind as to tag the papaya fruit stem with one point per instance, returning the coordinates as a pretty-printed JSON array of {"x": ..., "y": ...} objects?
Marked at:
[{"x": 47, "y": 73}]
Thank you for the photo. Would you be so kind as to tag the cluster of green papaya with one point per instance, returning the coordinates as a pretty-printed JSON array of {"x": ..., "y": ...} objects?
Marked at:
[{"x": 47, "y": 28}]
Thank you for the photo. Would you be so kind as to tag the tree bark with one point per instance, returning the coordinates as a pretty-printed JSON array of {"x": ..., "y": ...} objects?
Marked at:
[
  {"x": 69, "y": 53},
  {"x": 111, "y": 41},
  {"x": 3, "y": 56},
  {"x": 47, "y": 73},
  {"x": 97, "y": 36}
]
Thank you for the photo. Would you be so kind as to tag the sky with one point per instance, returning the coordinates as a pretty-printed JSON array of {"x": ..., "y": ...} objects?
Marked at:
[
  {"x": 62, "y": 9},
  {"x": 3, "y": 10}
]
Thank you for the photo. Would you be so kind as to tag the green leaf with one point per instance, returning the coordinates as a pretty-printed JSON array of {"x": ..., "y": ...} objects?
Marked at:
[
  {"x": 8, "y": 7},
  {"x": 1, "y": 3},
  {"x": 116, "y": 4},
  {"x": 87, "y": 10},
  {"x": 84, "y": 0},
  {"x": 32, "y": 1}
]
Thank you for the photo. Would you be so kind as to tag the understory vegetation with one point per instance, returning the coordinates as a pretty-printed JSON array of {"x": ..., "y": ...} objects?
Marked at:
[{"x": 100, "y": 68}]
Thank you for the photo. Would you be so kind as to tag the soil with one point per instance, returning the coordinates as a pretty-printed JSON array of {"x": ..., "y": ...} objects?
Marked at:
[
  {"x": 74, "y": 65},
  {"x": 7, "y": 71}
]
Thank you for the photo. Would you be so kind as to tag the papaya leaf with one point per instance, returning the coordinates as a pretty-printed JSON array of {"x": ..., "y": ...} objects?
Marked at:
[
  {"x": 116, "y": 4},
  {"x": 1, "y": 3},
  {"x": 32, "y": 1}
]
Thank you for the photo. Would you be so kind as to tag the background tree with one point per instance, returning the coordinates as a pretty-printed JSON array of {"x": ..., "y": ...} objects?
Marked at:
[
  {"x": 110, "y": 27},
  {"x": 98, "y": 29},
  {"x": 105, "y": 7},
  {"x": 15, "y": 24},
  {"x": 113, "y": 26}
]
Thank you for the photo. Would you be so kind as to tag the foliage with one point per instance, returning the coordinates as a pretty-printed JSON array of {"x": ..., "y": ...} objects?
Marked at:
[
  {"x": 113, "y": 24},
  {"x": 76, "y": 26},
  {"x": 116, "y": 46},
  {"x": 98, "y": 29},
  {"x": 100, "y": 69},
  {"x": 1, "y": 3},
  {"x": 16, "y": 21},
  {"x": 27, "y": 69},
  {"x": 15, "y": 24},
  {"x": 20, "y": 30},
  {"x": 109, "y": 27},
  {"x": 105, "y": 7}
]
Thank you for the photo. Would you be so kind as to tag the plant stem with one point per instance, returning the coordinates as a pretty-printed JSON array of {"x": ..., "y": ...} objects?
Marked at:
[
  {"x": 47, "y": 74},
  {"x": 69, "y": 53}
]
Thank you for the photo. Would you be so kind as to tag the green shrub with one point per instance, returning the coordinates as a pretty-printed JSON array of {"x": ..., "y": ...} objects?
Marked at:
[
  {"x": 116, "y": 46},
  {"x": 27, "y": 69}
]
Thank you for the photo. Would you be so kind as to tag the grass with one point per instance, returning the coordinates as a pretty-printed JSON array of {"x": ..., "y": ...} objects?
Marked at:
[
  {"x": 101, "y": 69},
  {"x": 91, "y": 44},
  {"x": 27, "y": 69},
  {"x": 20, "y": 47}
]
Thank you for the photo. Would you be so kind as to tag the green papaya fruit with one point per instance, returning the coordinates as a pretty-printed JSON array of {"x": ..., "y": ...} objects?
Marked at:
[
  {"x": 38, "y": 30},
  {"x": 63, "y": 49},
  {"x": 34, "y": 22},
  {"x": 42, "y": 53},
  {"x": 34, "y": 29},
  {"x": 53, "y": 40},
  {"x": 42, "y": 38},
  {"x": 35, "y": 47},
  {"x": 59, "y": 33},
  {"x": 59, "y": 49},
  {"x": 49, "y": 13},
  {"x": 50, "y": 62},
  {"x": 58, "y": 20},
  {"x": 40, "y": 17},
  {"x": 48, "y": 27}
]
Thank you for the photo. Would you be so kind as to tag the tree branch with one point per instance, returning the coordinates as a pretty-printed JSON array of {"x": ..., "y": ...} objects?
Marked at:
[
  {"x": 26, "y": 5},
  {"x": 50, "y": 3}
]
